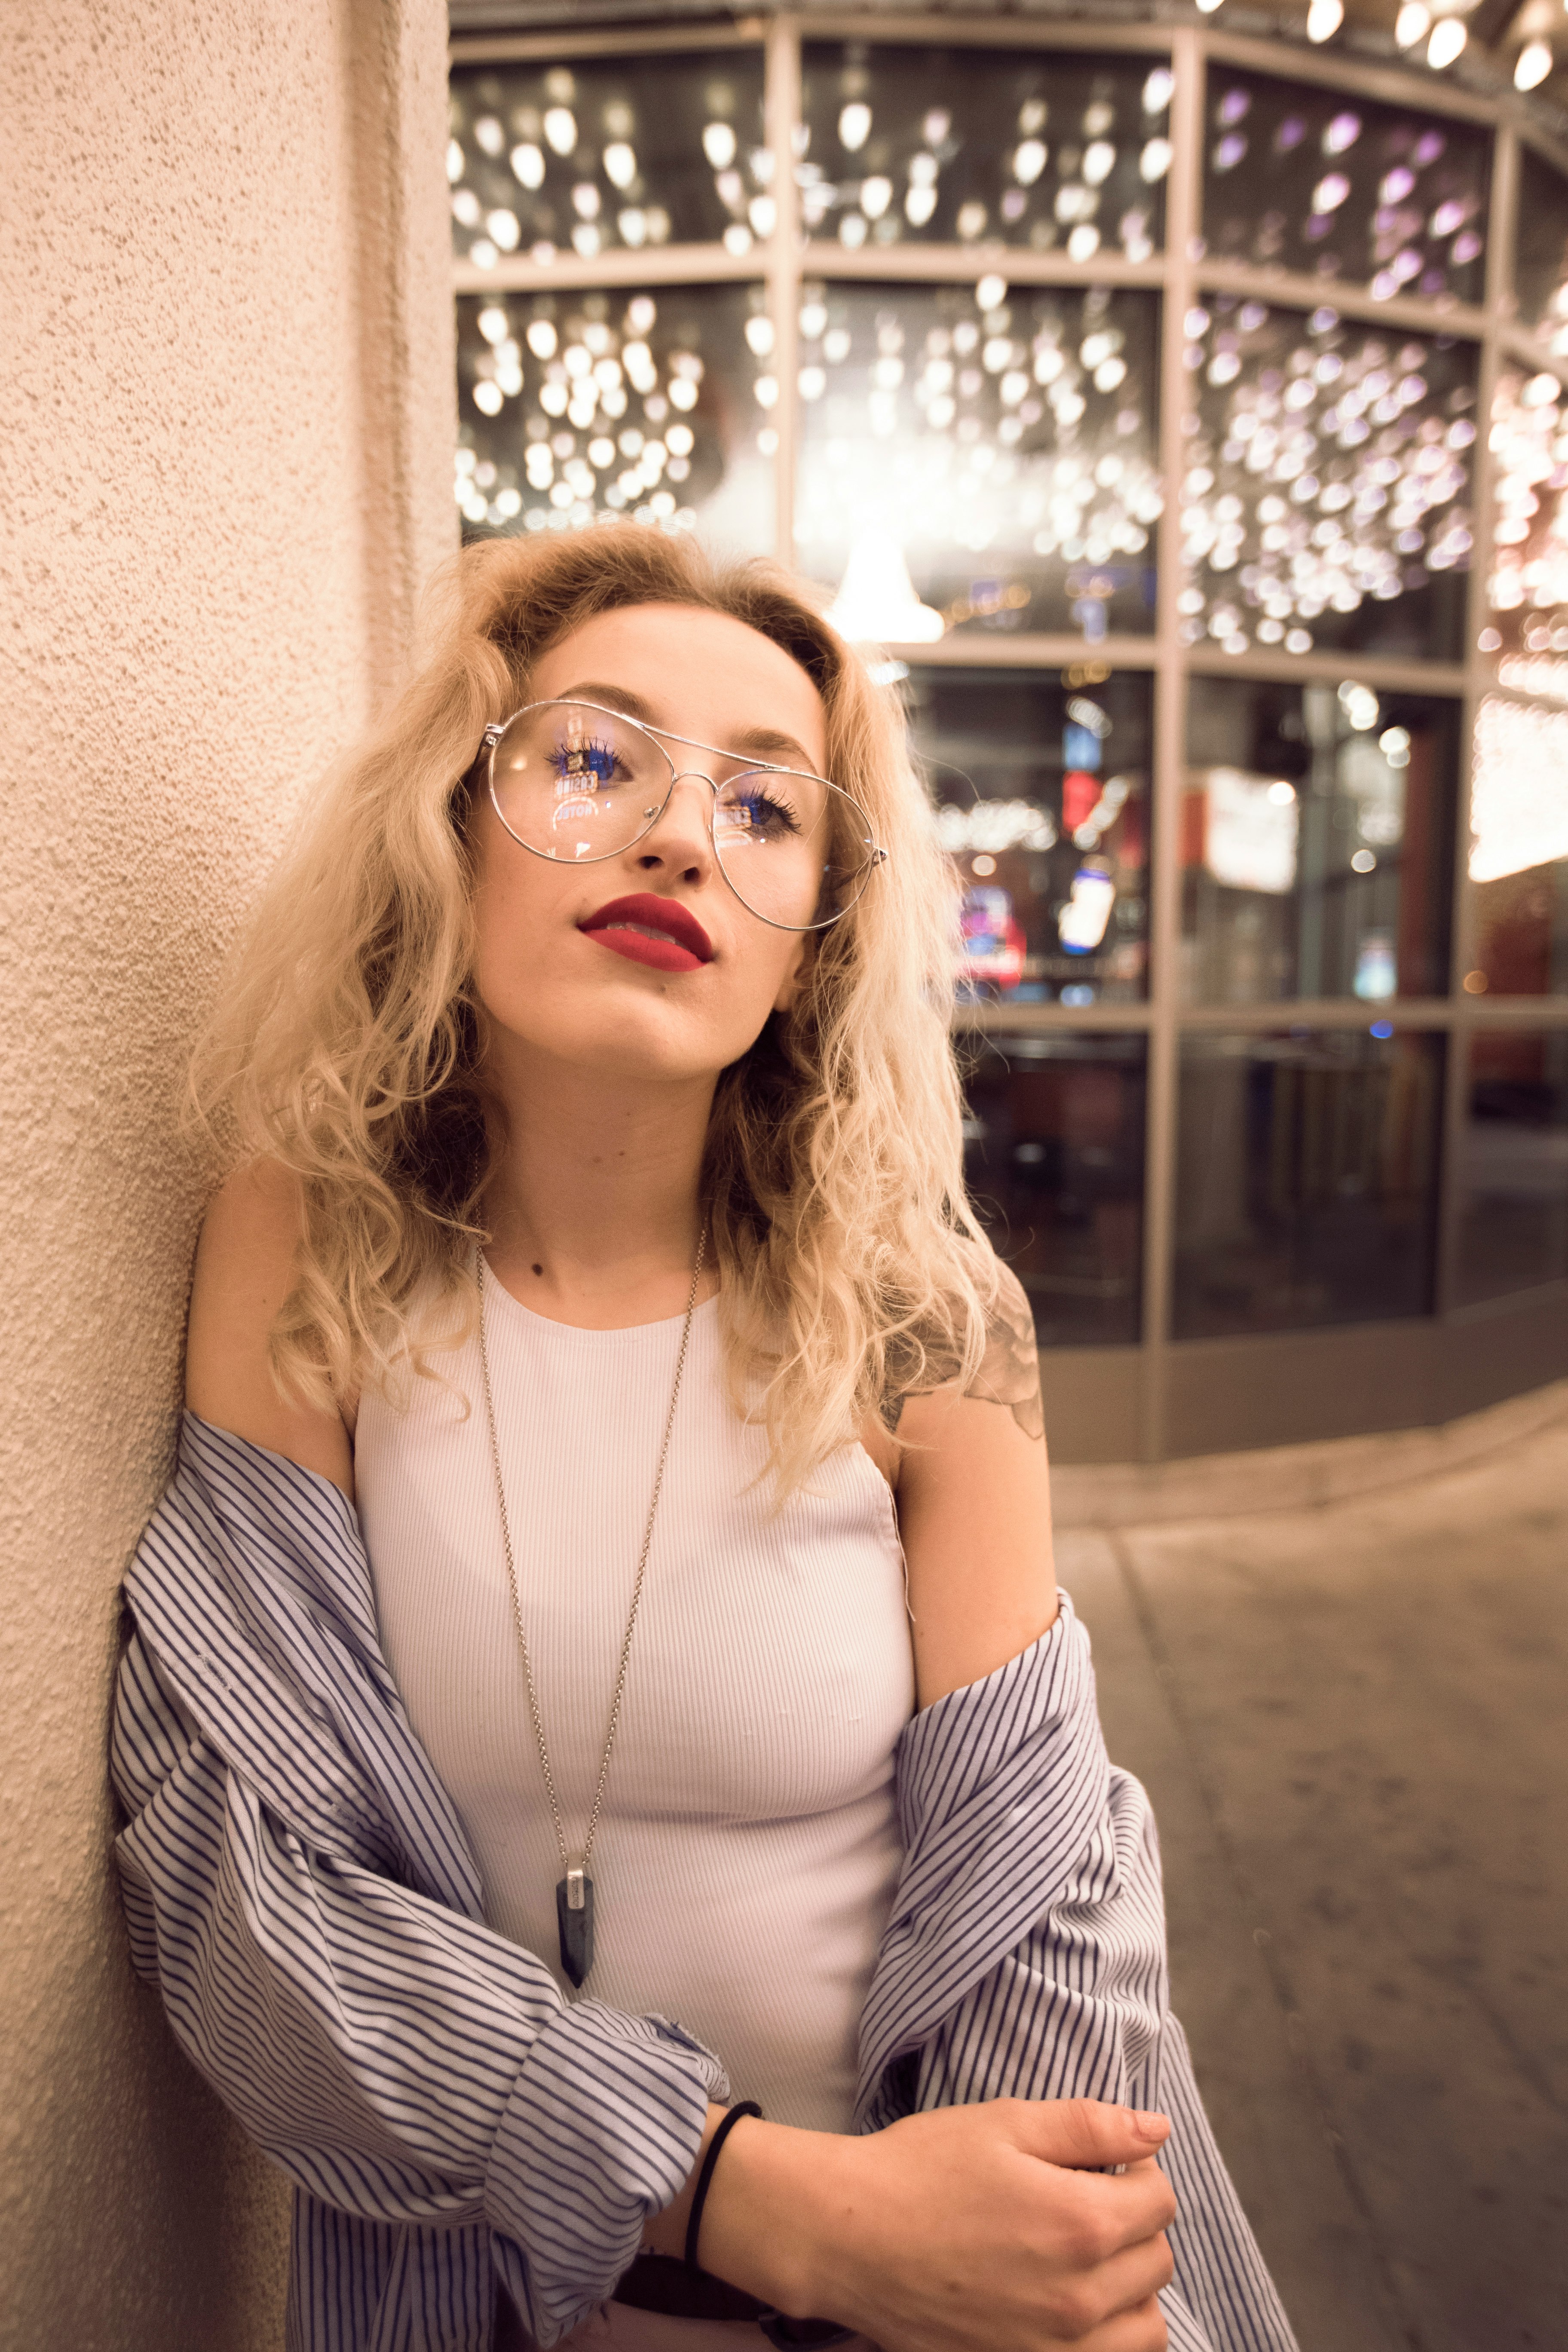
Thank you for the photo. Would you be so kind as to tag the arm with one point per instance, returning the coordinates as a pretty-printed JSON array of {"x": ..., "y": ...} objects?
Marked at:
[
  {"x": 245, "y": 1271},
  {"x": 972, "y": 1484},
  {"x": 299, "y": 1887},
  {"x": 1068, "y": 1999}
]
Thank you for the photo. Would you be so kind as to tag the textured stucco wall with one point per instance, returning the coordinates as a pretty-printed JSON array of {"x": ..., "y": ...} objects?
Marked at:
[{"x": 224, "y": 436}]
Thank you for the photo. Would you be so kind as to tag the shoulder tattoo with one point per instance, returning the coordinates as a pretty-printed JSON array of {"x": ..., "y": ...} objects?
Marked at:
[{"x": 1009, "y": 1374}]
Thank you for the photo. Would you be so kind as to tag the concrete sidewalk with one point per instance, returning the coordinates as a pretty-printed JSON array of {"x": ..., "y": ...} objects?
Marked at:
[{"x": 1351, "y": 1717}]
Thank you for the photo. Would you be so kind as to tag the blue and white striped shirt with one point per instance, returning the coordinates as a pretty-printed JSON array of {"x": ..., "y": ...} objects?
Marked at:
[{"x": 298, "y": 1885}]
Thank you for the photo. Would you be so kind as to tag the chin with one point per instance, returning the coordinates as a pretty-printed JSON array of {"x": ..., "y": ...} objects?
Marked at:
[{"x": 632, "y": 1035}]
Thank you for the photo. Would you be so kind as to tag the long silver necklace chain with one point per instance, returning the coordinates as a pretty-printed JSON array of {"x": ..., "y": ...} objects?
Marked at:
[{"x": 574, "y": 1895}]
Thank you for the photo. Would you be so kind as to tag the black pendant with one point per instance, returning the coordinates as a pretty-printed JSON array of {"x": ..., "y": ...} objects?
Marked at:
[{"x": 574, "y": 1920}]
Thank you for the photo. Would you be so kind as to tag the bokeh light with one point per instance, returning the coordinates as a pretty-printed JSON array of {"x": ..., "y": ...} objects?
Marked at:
[{"x": 1062, "y": 153}]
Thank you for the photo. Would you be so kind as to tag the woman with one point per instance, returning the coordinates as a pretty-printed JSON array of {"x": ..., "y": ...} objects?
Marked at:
[{"x": 694, "y": 1651}]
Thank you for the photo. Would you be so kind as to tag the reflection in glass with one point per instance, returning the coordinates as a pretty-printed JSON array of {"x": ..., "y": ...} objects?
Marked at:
[
  {"x": 1006, "y": 449},
  {"x": 1326, "y": 500},
  {"x": 577, "y": 404},
  {"x": 1519, "y": 850},
  {"x": 1054, "y": 1161},
  {"x": 1062, "y": 152},
  {"x": 1041, "y": 783},
  {"x": 1315, "y": 843},
  {"x": 608, "y": 153},
  {"x": 1306, "y": 1181},
  {"x": 1527, "y": 584},
  {"x": 1513, "y": 1232},
  {"x": 1540, "y": 252},
  {"x": 1306, "y": 179}
]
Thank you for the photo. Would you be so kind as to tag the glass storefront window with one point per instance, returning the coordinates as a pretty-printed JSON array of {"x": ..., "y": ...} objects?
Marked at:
[
  {"x": 1054, "y": 1161},
  {"x": 1306, "y": 1179},
  {"x": 1041, "y": 783},
  {"x": 973, "y": 470},
  {"x": 1540, "y": 252},
  {"x": 606, "y": 153},
  {"x": 1059, "y": 153},
  {"x": 1513, "y": 1232},
  {"x": 999, "y": 441},
  {"x": 1316, "y": 835},
  {"x": 1519, "y": 850},
  {"x": 572, "y": 405},
  {"x": 1527, "y": 581},
  {"x": 1313, "y": 180},
  {"x": 1327, "y": 496}
]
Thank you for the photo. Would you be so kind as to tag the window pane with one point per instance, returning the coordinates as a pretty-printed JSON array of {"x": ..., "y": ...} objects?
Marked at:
[
  {"x": 1327, "y": 495},
  {"x": 1042, "y": 795},
  {"x": 577, "y": 404},
  {"x": 1306, "y": 1181},
  {"x": 1527, "y": 579},
  {"x": 1317, "y": 825},
  {"x": 608, "y": 153},
  {"x": 1054, "y": 1160},
  {"x": 1540, "y": 252},
  {"x": 1007, "y": 454},
  {"x": 1519, "y": 850},
  {"x": 1058, "y": 152},
  {"x": 1306, "y": 179},
  {"x": 1513, "y": 1232}
]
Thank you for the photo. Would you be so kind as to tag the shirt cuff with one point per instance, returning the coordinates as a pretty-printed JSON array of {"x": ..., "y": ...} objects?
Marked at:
[{"x": 601, "y": 2132}]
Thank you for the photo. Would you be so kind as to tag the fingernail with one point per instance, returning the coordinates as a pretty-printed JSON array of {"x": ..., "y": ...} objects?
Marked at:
[{"x": 1149, "y": 2124}]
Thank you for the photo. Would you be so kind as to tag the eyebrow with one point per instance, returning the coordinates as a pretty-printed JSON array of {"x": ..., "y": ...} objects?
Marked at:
[{"x": 751, "y": 742}]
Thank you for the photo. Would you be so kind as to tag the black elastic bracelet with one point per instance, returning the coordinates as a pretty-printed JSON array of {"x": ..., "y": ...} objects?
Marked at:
[{"x": 700, "y": 2195}]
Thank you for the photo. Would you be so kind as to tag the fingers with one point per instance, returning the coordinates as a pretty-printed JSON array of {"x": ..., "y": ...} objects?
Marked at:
[
  {"x": 1085, "y": 2134},
  {"x": 1090, "y": 2219},
  {"x": 1083, "y": 2309},
  {"x": 1138, "y": 2330}
]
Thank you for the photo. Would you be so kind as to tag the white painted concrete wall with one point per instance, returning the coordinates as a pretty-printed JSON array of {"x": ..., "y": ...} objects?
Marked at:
[{"x": 226, "y": 426}]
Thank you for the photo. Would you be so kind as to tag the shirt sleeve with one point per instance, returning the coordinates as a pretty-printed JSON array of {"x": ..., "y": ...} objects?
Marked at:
[
  {"x": 401, "y": 2063},
  {"x": 1021, "y": 1834}
]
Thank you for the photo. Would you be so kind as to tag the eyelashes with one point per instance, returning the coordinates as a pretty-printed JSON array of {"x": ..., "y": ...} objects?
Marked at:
[
  {"x": 763, "y": 814},
  {"x": 594, "y": 761}
]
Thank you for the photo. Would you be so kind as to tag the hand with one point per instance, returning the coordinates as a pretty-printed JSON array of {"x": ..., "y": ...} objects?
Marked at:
[{"x": 978, "y": 2228}]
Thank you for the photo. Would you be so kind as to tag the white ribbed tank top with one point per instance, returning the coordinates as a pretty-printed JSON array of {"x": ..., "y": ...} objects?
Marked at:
[{"x": 749, "y": 1843}]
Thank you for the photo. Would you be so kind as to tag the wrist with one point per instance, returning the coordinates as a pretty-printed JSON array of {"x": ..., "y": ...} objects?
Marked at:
[{"x": 779, "y": 2215}]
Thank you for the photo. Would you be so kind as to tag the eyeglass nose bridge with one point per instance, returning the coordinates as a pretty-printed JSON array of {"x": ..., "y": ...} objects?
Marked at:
[{"x": 651, "y": 815}]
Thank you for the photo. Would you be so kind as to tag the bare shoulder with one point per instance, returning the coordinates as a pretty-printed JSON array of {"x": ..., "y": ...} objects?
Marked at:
[
  {"x": 245, "y": 1271},
  {"x": 973, "y": 1498}
]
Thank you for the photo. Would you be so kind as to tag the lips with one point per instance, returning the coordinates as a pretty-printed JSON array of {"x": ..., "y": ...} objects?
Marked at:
[{"x": 651, "y": 931}]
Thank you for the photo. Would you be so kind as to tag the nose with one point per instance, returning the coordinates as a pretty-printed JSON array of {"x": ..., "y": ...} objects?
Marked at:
[{"x": 681, "y": 843}]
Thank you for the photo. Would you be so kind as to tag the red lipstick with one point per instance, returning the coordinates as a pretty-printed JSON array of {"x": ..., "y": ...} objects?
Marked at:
[{"x": 651, "y": 931}]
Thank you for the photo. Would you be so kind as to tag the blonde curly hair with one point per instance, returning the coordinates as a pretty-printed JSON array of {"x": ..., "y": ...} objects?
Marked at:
[{"x": 346, "y": 1045}]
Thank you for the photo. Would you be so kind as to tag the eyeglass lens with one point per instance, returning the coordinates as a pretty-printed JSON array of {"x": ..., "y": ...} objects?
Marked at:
[{"x": 575, "y": 783}]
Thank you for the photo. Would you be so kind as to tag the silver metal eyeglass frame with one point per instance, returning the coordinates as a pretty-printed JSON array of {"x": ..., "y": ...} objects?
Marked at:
[{"x": 659, "y": 736}]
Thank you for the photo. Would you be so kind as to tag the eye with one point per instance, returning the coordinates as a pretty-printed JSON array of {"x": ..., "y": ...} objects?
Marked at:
[
  {"x": 750, "y": 806},
  {"x": 588, "y": 764}
]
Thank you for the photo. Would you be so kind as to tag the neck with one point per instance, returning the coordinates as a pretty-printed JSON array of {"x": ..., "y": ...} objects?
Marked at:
[{"x": 593, "y": 1203}]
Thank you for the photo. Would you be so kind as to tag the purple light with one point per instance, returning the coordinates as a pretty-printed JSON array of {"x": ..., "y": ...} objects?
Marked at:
[
  {"x": 1342, "y": 132},
  {"x": 1428, "y": 147},
  {"x": 1233, "y": 105},
  {"x": 1291, "y": 134}
]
